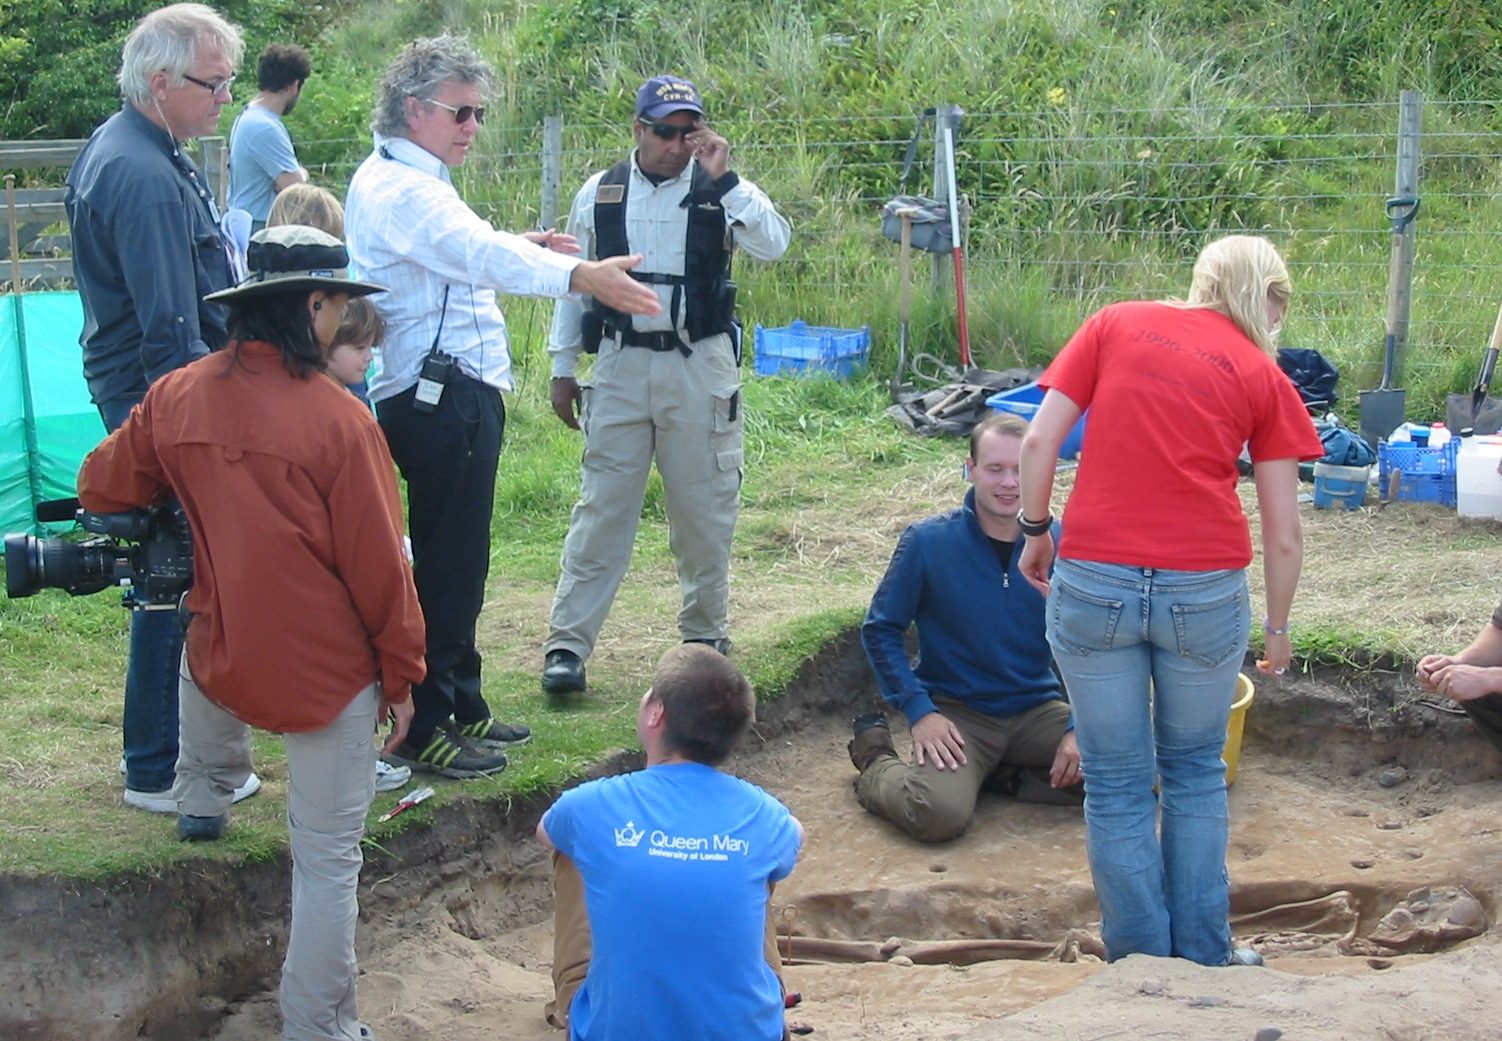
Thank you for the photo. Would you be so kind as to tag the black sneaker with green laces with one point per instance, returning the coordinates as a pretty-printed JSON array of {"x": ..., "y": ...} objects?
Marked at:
[
  {"x": 447, "y": 757},
  {"x": 489, "y": 734}
]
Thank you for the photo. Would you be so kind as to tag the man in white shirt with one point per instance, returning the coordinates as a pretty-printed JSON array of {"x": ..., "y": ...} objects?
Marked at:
[
  {"x": 261, "y": 160},
  {"x": 444, "y": 364},
  {"x": 664, "y": 387}
]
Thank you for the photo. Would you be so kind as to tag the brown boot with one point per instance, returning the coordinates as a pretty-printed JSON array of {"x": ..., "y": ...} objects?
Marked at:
[{"x": 872, "y": 740}]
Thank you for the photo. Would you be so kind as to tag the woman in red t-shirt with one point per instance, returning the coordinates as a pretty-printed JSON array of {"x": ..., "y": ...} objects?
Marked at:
[{"x": 1148, "y": 612}]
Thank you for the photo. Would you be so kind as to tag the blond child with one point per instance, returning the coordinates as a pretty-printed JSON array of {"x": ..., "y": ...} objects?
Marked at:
[{"x": 307, "y": 204}]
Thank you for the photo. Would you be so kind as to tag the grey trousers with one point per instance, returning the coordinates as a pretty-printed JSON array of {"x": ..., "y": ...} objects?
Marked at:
[
  {"x": 331, "y": 782},
  {"x": 684, "y": 413},
  {"x": 932, "y": 805}
]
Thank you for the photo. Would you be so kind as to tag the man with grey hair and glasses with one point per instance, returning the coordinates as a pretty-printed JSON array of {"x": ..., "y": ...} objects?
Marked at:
[
  {"x": 146, "y": 251},
  {"x": 444, "y": 364}
]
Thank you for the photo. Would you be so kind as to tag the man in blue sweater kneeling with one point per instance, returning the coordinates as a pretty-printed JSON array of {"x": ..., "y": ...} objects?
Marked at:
[{"x": 983, "y": 703}]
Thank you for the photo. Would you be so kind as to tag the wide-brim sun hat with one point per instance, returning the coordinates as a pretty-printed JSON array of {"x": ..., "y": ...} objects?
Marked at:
[{"x": 292, "y": 258}]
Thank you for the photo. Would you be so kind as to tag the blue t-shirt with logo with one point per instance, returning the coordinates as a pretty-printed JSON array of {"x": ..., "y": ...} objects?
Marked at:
[{"x": 676, "y": 860}]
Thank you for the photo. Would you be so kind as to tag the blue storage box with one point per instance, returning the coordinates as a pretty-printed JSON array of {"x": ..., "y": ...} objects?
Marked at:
[
  {"x": 803, "y": 349},
  {"x": 1024, "y": 401},
  {"x": 1427, "y": 474}
]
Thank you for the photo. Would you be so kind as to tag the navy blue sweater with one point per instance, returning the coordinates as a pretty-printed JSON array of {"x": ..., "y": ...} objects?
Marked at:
[{"x": 981, "y": 633}]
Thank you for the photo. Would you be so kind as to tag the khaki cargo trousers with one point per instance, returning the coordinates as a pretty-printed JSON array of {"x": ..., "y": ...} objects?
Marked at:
[
  {"x": 932, "y": 805},
  {"x": 684, "y": 413}
]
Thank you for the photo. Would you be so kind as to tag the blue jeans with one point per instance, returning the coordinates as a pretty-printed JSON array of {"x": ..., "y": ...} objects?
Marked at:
[
  {"x": 1113, "y": 629},
  {"x": 156, "y": 645}
]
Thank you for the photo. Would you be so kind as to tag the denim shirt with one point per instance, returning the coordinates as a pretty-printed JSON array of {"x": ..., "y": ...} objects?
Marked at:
[
  {"x": 146, "y": 250},
  {"x": 981, "y": 637}
]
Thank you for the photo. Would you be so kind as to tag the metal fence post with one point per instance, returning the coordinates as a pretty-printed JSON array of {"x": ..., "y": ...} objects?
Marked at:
[
  {"x": 552, "y": 169},
  {"x": 944, "y": 115},
  {"x": 1400, "y": 269}
]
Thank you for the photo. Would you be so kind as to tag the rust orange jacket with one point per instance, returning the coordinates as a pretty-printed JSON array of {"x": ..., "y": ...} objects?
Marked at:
[{"x": 302, "y": 594}]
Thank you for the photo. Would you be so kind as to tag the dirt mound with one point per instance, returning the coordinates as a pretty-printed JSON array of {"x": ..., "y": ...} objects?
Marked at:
[{"x": 1363, "y": 829}]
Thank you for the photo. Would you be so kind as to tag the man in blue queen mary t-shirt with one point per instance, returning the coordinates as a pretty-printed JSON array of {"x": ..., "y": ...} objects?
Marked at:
[{"x": 678, "y": 861}]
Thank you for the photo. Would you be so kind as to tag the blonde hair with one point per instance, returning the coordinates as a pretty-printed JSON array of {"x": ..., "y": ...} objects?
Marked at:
[
  {"x": 307, "y": 204},
  {"x": 361, "y": 323},
  {"x": 1238, "y": 275}
]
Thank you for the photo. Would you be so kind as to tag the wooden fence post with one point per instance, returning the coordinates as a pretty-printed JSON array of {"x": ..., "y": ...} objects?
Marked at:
[
  {"x": 1404, "y": 203},
  {"x": 552, "y": 169}
]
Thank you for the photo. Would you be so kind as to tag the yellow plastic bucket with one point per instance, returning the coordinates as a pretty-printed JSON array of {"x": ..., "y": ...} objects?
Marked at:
[{"x": 1232, "y": 754}]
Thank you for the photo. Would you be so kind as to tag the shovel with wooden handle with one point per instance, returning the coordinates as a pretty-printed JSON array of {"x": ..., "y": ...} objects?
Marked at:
[
  {"x": 1488, "y": 368},
  {"x": 1382, "y": 410}
]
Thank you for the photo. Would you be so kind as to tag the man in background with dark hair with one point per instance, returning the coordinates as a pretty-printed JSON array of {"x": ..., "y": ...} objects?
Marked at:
[
  {"x": 983, "y": 703},
  {"x": 261, "y": 160},
  {"x": 678, "y": 861}
]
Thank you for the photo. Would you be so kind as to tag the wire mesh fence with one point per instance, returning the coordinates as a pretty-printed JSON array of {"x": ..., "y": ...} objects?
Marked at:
[{"x": 1073, "y": 209}]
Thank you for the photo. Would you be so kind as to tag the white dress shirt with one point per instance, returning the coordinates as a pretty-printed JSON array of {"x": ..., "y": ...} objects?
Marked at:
[
  {"x": 657, "y": 228},
  {"x": 408, "y": 230}
]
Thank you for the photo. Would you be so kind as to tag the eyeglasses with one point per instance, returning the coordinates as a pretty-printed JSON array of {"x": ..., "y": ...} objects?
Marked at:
[
  {"x": 668, "y": 131},
  {"x": 220, "y": 87},
  {"x": 462, "y": 112}
]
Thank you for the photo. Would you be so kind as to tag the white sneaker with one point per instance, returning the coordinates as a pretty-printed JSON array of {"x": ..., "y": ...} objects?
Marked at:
[
  {"x": 166, "y": 802},
  {"x": 389, "y": 778}
]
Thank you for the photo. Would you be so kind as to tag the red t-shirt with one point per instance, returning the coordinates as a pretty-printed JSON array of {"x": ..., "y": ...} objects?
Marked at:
[{"x": 1173, "y": 395}]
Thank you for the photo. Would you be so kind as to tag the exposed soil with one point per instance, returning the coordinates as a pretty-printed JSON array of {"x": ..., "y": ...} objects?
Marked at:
[{"x": 1366, "y": 858}]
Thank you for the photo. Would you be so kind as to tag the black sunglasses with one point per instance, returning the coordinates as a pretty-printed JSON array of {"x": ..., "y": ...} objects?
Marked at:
[
  {"x": 668, "y": 131},
  {"x": 462, "y": 112},
  {"x": 222, "y": 86}
]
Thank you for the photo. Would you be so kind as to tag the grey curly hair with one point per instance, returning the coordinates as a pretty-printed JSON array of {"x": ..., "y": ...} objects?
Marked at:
[
  {"x": 170, "y": 39},
  {"x": 418, "y": 71}
]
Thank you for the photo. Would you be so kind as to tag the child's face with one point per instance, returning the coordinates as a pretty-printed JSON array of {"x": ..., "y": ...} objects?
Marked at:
[{"x": 349, "y": 362}]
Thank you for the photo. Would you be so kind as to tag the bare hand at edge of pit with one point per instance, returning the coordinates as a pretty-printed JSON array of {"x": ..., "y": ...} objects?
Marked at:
[
  {"x": 936, "y": 738},
  {"x": 1066, "y": 772}
]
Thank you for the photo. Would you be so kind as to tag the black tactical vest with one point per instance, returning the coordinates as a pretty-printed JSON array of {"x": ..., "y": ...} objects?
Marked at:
[{"x": 704, "y": 295}]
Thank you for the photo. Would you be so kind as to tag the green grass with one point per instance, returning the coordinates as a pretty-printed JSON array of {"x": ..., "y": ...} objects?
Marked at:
[{"x": 817, "y": 448}]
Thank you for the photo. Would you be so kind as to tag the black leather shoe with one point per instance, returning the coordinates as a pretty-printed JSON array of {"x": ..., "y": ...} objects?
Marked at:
[{"x": 562, "y": 672}]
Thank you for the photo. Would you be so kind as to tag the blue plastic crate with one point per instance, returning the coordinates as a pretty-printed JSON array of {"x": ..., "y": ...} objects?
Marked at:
[
  {"x": 803, "y": 349},
  {"x": 1024, "y": 401},
  {"x": 1427, "y": 474}
]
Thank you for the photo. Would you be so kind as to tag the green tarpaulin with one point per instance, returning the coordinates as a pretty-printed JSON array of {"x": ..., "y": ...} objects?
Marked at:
[{"x": 47, "y": 422}]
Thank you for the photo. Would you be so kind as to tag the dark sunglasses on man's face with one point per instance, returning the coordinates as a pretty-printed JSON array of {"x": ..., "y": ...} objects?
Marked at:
[
  {"x": 462, "y": 112},
  {"x": 668, "y": 131}
]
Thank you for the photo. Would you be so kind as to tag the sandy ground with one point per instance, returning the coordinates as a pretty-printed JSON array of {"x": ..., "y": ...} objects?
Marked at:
[{"x": 1301, "y": 831}]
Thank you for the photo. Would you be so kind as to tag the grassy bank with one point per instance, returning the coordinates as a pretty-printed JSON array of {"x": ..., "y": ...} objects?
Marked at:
[{"x": 830, "y": 483}]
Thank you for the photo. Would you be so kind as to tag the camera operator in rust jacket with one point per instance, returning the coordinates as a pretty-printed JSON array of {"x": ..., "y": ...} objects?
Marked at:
[{"x": 304, "y": 617}]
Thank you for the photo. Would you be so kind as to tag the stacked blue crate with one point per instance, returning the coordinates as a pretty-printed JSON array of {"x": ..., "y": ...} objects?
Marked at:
[{"x": 1426, "y": 474}]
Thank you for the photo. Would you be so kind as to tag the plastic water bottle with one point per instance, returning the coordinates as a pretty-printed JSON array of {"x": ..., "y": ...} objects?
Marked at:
[{"x": 1439, "y": 435}]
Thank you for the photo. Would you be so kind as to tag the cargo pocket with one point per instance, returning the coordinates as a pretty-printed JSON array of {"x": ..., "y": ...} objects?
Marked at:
[{"x": 725, "y": 432}]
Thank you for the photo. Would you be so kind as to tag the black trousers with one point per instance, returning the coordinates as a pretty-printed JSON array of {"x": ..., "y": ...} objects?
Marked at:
[
  {"x": 1486, "y": 713},
  {"x": 448, "y": 457}
]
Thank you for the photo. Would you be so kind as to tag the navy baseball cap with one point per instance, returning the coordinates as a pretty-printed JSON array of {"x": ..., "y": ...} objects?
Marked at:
[{"x": 663, "y": 95}]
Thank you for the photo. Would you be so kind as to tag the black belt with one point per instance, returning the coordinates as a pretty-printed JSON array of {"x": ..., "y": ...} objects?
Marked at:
[{"x": 661, "y": 342}]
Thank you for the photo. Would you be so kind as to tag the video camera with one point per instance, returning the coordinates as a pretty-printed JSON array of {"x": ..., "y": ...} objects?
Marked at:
[{"x": 148, "y": 553}]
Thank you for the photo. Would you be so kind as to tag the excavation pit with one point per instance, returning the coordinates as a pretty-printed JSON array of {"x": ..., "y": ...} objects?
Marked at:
[{"x": 1364, "y": 843}]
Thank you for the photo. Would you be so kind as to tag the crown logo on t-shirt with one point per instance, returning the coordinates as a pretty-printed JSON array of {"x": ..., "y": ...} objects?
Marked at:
[{"x": 629, "y": 835}]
